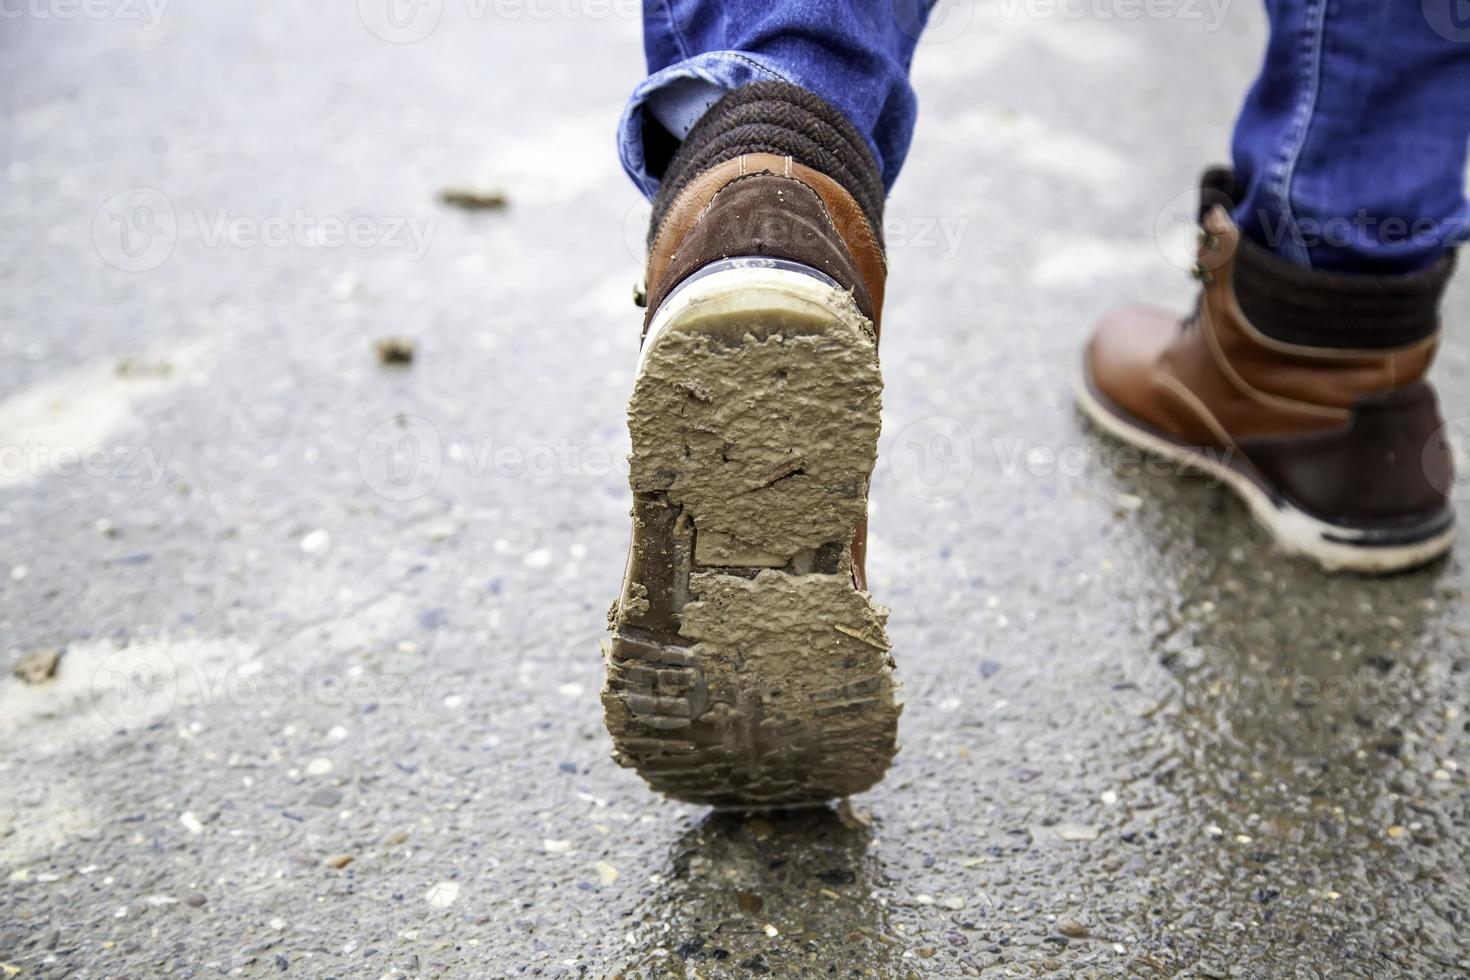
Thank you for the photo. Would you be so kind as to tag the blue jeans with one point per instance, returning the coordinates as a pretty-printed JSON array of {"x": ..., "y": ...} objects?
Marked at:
[
  {"x": 1352, "y": 141},
  {"x": 1351, "y": 144},
  {"x": 853, "y": 53}
]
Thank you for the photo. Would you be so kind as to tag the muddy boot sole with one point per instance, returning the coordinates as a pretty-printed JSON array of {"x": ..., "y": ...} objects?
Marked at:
[{"x": 746, "y": 670}]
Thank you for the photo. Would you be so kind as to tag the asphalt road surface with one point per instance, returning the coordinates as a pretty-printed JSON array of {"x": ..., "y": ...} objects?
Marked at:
[{"x": 326, "y": 703}]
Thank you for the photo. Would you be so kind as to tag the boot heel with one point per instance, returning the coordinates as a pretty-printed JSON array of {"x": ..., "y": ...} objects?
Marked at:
[{"x": 746, "y": 669}]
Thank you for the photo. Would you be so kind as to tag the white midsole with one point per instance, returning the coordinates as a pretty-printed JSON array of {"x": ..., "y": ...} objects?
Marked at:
[
  {"x": 747, "y": 290},
  {"x": 1295, "y": 531}
]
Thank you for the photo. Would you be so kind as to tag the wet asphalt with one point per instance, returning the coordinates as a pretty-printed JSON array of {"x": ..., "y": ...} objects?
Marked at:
[{"x": 327, "y": 696}]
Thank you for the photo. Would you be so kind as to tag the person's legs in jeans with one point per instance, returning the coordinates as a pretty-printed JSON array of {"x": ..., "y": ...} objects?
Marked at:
[
  {"x": 855, "y": 55},
  {"x": 1300, "y": 377},
  {"x": 748, "y": 665},
  {"x": 1352, "y": 143}
]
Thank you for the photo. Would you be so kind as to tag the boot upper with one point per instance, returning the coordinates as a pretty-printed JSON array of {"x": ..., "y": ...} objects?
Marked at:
[
  {"x": 1344, "y": 431},
  {"x": 769, "y": 206}
]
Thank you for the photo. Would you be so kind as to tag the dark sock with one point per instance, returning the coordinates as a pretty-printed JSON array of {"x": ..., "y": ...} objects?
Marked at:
[
  {"x": 780, "y": 118},
  {"x": 1316, "y": 308}
]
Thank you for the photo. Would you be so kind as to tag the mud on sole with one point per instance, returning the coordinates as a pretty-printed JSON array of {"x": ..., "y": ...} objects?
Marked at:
[{"x": 745, "y": 669}]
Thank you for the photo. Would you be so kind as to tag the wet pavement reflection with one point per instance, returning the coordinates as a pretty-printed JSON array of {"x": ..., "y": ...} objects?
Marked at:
[{"x": 737, "y": 881}]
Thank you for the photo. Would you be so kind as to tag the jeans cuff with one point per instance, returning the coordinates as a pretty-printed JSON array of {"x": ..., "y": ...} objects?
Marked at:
[{"x": 727, "y": 70}]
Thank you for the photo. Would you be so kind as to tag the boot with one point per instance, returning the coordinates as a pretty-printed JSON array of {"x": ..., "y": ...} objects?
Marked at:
[
  {"x": 1303, "y": 391},
  {"x": 748, "y": 666}
]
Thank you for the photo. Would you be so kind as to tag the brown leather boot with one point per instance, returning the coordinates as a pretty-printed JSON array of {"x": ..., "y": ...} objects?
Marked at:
[
  {"x": 1304, "y": 391},
  {"x": 748, "y": 667}
]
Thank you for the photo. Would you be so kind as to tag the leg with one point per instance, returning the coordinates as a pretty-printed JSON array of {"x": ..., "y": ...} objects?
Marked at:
[
  {"x": 1300, "y": 380},
  {"x": 854, "y": 54},
  {"x": 1352, "y": 143},
  {"x": 748, "y": 665}
]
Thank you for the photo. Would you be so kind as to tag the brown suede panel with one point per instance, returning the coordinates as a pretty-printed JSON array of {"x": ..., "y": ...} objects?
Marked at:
[
  {"x": 1390, "y": 461},
  {"x": 768, "y": 215}
]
